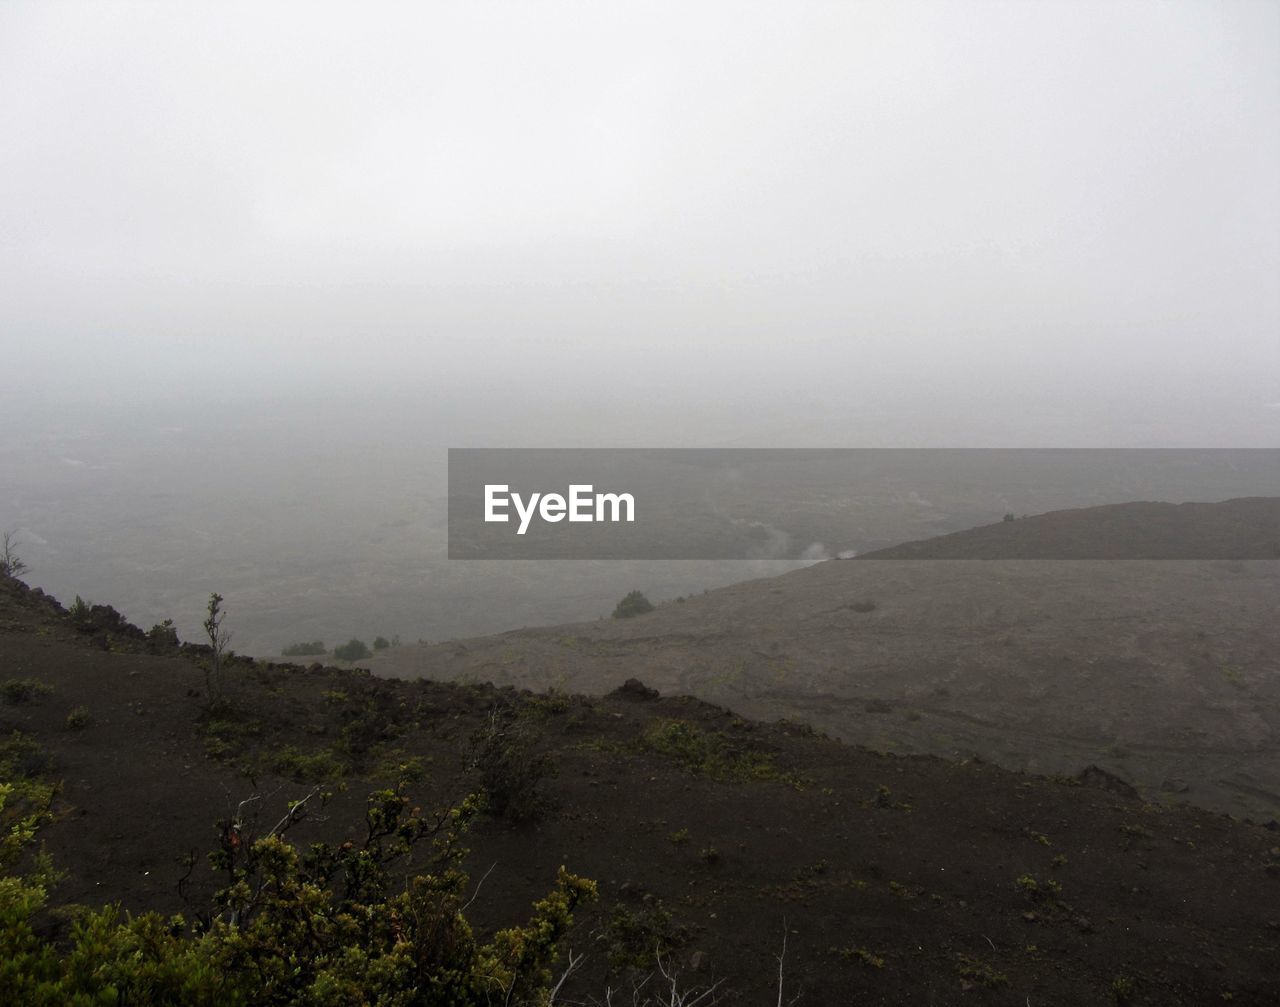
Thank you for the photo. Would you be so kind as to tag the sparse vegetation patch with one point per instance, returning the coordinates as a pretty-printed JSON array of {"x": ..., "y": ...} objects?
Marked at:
[
  {"x": 637, "y": 936},
  {"x": 319, "y": 766},
  {"x": 23, "y": 690},
  {"x": 862, "y": 956},
  {"x": 306, "y": 648},
  {"x": 713, "y": 755},
  {"x": 976, "y": 971}
]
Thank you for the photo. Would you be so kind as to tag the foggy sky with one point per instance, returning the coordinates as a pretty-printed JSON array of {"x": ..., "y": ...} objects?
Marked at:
[{"x": 659, "y": 205}]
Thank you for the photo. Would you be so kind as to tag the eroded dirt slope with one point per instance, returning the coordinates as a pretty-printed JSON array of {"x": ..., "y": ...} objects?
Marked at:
[{"x": 897, "y": 880}]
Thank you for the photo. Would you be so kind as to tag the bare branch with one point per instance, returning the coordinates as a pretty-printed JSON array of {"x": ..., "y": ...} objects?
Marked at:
[
  {"x": 570, "y": 969},
  {"x": 781, "y": 959},
  {"x": 294, "y": 814},
  {"x": 479, "y": 885},
  {"x": 239, "y": 818},
  {"x": 11, "y": 564}
]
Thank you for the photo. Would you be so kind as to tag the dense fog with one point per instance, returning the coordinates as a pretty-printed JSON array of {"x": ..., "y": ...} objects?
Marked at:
[{"x": 262, "y": 267}]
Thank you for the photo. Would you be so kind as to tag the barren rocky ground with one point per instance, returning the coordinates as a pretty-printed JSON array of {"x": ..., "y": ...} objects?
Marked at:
[{"x": 1166, "y": 672}]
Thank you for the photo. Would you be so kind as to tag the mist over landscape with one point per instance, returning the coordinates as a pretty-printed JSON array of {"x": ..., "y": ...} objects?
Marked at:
[
  {"x": 262, "y": 267},
  {"x": 254, "y": 289}
]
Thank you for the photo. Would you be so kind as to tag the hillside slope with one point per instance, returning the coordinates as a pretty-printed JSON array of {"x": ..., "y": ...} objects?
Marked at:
[
  {"x": 1166, "y": 672},
  {"x": 894, "y": 880}
]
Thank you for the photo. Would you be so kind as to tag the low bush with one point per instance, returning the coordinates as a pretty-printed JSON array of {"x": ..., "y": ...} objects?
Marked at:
[
  {"x": 79, "y": 610},
  {"x": 711, "y": 754},
  {"x": 352, "y": 650},
  {"x": 635, "y": 603},
  {"x": 311, "y": 648},
  {"x": 328, "y": 926},
  {"x": 22, "y": 758},
  {"x": 505, "y": 753},
  {"x": 638, "y": 937},
  {"x": 23, "y": 690},
  {"x": 322, "y": 766},
  {"x": 163, "y": 636}
]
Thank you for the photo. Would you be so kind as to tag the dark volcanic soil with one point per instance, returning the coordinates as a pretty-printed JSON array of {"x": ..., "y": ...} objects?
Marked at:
[{"x": 896, "y": 879}]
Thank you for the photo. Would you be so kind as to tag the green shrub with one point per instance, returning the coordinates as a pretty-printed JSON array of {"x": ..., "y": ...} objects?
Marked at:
[
  {"x": 352, "y": 650},
  {"x": 23, "y": 758},
  {"x": 312, "y": 648},
  {"x": 25, "y": 803},
  {"x": 322, "y": 766},
  {"x": 23, "y": 690},
  {"x": 552, "y": 703},
  {"x": 366, "y": 724},
  {"x": 637, "y": 938},
  {"x": 78, "y": 719},
  {"x": 505, "y": 753},
  {"x": 163, "y": 636},
  {"x": 381, "y": 643},
  {"x": 711, "y": 754},
  {"x": 397, "y": 764},
  {"x": 329, "y": 926},
  {"x": 633, "y": 604},
  {"x": 229, "y": 733},
  {"x": 1036, "y": 890}
]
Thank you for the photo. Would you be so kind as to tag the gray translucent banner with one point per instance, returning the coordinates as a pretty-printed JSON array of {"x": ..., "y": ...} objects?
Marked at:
[{"x": 671, "y": 504}]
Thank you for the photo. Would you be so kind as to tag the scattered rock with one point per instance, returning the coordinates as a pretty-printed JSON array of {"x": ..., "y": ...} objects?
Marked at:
[
  {"x": 1096, "y": 776},
  {"x": 633, "y": 688}
]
